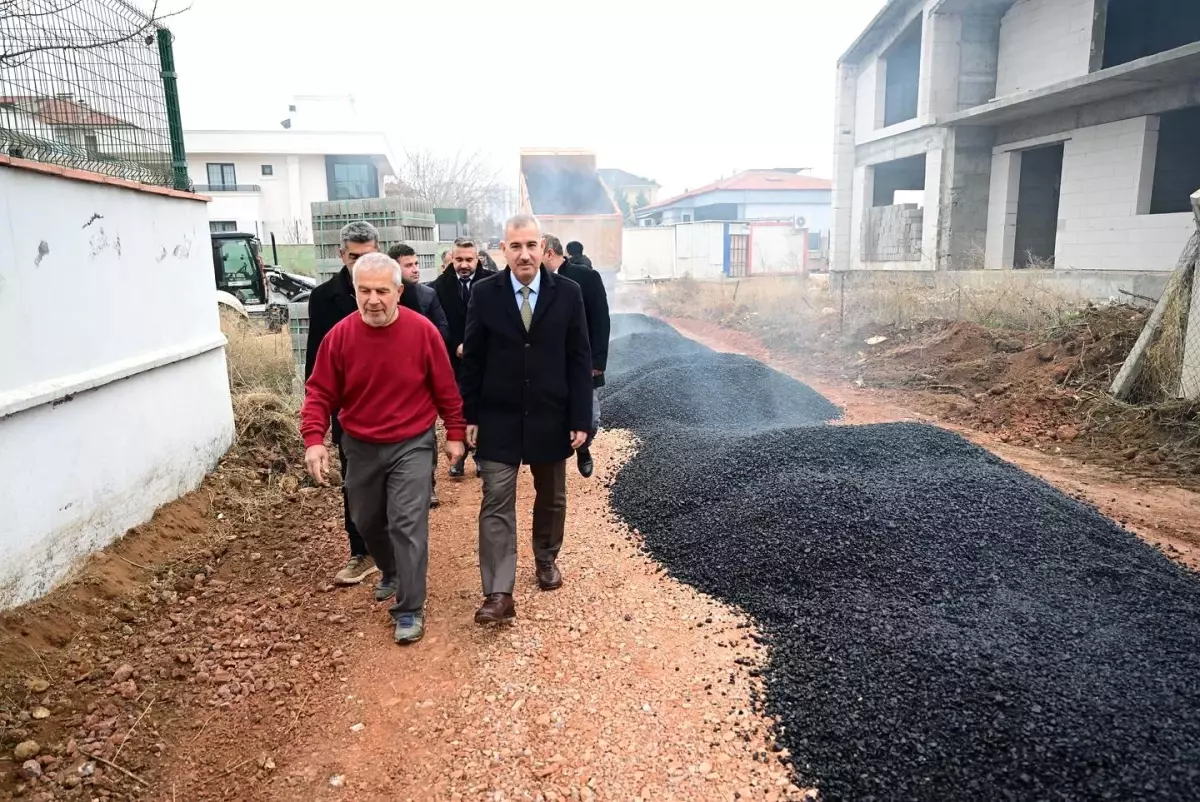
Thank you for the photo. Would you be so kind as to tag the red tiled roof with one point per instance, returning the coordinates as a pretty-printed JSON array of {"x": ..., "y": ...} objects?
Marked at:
[
  {"x": 60, "y": 111},
  {"x": 752, "y": 180}
]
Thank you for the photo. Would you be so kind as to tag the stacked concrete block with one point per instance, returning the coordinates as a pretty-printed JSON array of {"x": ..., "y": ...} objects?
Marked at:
[
  {"x": 893, "y": 233},
  {"x": 407, "y": 220}
]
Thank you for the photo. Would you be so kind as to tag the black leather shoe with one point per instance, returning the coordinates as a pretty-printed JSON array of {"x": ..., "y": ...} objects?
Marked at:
[
  {"x": 548, "y": 576},
  {"x": 584, "y": 457},
  {"x": 497, "y": 609}
]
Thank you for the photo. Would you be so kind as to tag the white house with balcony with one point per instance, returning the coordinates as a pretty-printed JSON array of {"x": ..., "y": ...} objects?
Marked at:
[
  {"x": 264, "y": 182},
  {"x": 1007, "y": 134}
]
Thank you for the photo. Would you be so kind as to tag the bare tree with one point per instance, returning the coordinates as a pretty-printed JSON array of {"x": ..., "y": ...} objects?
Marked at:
[
  {"x": 462, "y": 181},
  {"x": 28, "y": 27}
]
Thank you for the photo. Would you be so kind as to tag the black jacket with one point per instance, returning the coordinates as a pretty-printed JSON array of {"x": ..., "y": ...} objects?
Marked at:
[
  {"x": 527, "y": 391},
  {"x": 429, "y": 306},
  {"x": 595, "y": 301},
  {"x": 581, "y": 259},
  {"x": 328, "y": 304},
  {"x": 447, "y": 288}
]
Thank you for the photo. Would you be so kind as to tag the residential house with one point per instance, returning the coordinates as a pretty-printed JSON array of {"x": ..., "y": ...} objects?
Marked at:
[
  {"x": 264, "y": 182},
  {"x": 35, "y": 125},
  {"x": 748, "y": 196},
  {"x": 1018, "y": 133},
  {"x": 629, "y": 190}
]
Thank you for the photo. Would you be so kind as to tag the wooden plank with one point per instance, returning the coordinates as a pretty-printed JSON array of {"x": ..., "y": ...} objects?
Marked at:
[
  {"x": 1134, "y": 363},
  {"x": 1189, "y": 377}
]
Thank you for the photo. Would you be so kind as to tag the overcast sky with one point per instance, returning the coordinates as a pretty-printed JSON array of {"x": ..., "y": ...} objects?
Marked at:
[{"x": 681, "y": 92}]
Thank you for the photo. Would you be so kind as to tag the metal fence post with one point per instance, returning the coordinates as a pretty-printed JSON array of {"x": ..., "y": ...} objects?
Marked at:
[{"x": 166, "y": 57}]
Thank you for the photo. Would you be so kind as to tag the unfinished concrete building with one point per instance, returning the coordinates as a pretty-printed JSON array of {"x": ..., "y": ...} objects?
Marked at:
[{"x": 1007, "y": 134}]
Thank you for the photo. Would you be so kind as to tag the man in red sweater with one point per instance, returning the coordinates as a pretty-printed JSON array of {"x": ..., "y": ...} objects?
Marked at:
[{"x": 387, "y": 372}]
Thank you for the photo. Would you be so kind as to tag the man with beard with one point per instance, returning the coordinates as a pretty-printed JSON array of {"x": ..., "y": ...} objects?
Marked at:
[
  {"x": 386, "y": 373},
  {"x": 527, "y": 398},
  {"x": 454, "y": 288},
  {"x": 328, "y": 304},
  {"x": 422, "y": 299},
  {"x": 595, "y": 301}
]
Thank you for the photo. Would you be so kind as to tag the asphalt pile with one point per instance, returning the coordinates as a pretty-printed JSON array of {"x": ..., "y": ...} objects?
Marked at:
[{"x": 942, "y": 625}]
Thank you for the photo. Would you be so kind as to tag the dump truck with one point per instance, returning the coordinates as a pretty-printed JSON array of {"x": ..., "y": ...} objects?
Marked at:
[{"x": 563, "y": 189}]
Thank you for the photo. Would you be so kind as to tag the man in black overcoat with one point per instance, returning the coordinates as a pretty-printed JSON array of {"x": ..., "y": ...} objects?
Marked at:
[{"x": 527, "y": 398}]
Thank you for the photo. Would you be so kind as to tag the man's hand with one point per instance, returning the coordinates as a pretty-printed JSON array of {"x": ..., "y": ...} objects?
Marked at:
[
  {"x": 597, "y": 372},
  {"x": 455, "y": 450},
  {"x": 458, "y": 351},
  {"x": 316, "y": 459},
  {"x": 578, "y": 439},
  {"x": 472, "y": 435}
]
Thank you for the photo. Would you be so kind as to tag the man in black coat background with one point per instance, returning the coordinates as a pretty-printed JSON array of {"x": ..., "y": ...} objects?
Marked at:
[
  {"x": 424, "y": 301},
  {"x": 595, "y": 301},
  {"x": 328, "y": 304},
  {"x": 527, "y": 397},
  {"x": 454, "y": 287}
]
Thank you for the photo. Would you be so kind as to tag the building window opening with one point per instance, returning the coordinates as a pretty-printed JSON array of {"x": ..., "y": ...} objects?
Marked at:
[
  {"x": 900, "y": 181},
  {"x": 1139, "y": 28},
  {"x": 902, "y": 76},
  {"x": 1176, "y": 162},
  {"x": 1037, "y": 207}
]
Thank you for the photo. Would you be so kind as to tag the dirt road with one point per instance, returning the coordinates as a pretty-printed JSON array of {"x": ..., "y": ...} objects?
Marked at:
[
  {"x": 238, "y": 674},
  {"x": 1165, "y": 515}
]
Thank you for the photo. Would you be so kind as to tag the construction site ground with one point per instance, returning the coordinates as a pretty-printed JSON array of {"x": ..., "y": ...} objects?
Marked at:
[{"x": 205, "y": 656}]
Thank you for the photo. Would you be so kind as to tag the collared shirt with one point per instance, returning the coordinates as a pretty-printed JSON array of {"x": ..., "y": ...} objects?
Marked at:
[{"x": 534, "y": 285}]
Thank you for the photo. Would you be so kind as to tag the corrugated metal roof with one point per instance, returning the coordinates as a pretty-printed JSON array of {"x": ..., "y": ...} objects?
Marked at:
[{"x": 751, "y": 181}]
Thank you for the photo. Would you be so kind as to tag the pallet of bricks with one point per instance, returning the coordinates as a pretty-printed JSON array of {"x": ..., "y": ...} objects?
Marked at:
[{"x": 407, "y": 220}]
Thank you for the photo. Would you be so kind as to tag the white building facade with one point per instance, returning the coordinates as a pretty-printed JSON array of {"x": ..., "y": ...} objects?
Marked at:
[
  {"x": 1006, "y": 134},
  {"x": 264, "y": 182}
]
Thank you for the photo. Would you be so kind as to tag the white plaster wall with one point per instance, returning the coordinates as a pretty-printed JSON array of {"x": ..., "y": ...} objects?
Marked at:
[
  {"x": 113, "y": 392},
  {"x": 1107, "y": 174},
  {"x": 1043, "y": 42},
  {"x": 244, "y": 208},
  {"x": 647, "y": 253},
  {"x": 778, "y": 249}
]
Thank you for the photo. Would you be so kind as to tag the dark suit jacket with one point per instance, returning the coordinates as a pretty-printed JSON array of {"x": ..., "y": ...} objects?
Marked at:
[
  {"x": 328, "y": 304},
  {"x": 595, "y": 301},
  {"x": 447, "y": 288},
  {"x": 430, "y": 306},
  {"x": 527, "y": 391}
]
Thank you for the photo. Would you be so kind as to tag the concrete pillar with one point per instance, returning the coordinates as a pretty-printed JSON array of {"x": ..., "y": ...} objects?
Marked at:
[
  {"x": 842, "y": 232},
  {"x": 979, "y": 50},
  {"x": 931, "y": 234},
  {"x": 1002, "y": 211},
  {"x": 939, "y": 65},
  {"x": 963, "y": 221}
]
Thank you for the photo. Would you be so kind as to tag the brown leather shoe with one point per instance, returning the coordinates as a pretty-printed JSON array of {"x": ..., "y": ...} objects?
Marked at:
[
  {"x": 548, "y": 576},
  {"x": 497, "y": 608}
]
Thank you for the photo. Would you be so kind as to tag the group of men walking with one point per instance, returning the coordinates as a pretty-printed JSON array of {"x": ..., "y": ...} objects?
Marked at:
[{"x": 508, "y": 359}]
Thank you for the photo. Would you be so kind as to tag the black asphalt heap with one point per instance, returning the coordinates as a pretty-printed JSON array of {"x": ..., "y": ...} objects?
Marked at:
[{"x": 942, "y": 625}]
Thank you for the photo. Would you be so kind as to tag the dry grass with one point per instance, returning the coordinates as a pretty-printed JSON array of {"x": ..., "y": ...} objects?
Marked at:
[
  {"x": 804, "y": 307},
  {"x": 260, "y": 379},
  {"x": 258, "y": 360}
]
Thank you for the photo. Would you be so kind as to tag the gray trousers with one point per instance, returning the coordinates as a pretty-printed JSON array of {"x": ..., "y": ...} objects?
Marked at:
[
  {"x": 388, "y": 487},
  {"x": 498, "y": 520}
]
